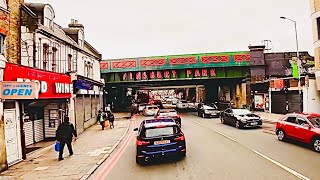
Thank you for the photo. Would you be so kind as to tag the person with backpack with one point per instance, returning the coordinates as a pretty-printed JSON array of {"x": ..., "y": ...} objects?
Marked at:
[
  {"x": 64, "y": 135},
  {"x": 101, "y": 118}
]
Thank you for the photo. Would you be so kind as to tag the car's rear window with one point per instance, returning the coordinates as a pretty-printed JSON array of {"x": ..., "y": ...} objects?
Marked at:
[
  {"x": 161, "y": 131},
  {"x": 153, "y": 107},
  {"x": 168, "y": 111}
]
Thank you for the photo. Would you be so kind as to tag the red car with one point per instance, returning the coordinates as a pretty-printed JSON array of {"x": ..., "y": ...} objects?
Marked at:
[{"x": 303, "y": 127}]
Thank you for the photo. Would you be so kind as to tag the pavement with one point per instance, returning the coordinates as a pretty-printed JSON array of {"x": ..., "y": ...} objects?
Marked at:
[
  {"x": 91, "y": 149},
  {"x": 217, "y": 151},
  {"x": 270, "y": 118}
]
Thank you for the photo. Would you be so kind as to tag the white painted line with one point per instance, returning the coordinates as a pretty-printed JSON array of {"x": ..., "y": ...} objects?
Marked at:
[
  {"x": 216, "y": 131},
  {"x": 300, "y": 176}
]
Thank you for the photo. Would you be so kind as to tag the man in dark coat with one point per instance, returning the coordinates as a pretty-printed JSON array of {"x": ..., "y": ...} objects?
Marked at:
[
  {"x": 64, "y": 135},
  {"x": 110, "y": 117}
]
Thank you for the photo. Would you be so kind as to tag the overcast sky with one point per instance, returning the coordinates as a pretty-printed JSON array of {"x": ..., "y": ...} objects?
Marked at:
[{"x": 133, "y": 28}]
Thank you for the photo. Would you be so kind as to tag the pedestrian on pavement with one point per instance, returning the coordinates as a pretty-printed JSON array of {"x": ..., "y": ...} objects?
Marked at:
[
  {"x": 101, "y": 118},
  {"x": 133, "y": 110},
  {"x": 64, "y": 135},
  {"x": 110, "y": 117}
]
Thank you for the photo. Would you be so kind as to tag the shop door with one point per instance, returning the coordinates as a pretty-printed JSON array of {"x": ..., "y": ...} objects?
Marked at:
[{"x": 11, "y": 136}]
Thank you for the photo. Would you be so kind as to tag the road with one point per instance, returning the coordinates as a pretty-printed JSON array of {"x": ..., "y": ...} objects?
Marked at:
[{"x": 217, "y": 151}]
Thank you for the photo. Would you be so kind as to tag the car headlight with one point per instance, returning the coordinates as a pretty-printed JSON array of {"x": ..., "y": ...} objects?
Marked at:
[
  {"x": 243, "y": 120},
  {"x": 206, "y": 111}
]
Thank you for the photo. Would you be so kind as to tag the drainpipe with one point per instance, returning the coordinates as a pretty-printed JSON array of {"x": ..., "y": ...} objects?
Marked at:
[{"x": 34, "y": 52}]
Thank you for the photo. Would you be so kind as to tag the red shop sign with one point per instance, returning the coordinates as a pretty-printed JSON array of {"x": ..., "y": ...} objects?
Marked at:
[{"x": 51, "y": 85}]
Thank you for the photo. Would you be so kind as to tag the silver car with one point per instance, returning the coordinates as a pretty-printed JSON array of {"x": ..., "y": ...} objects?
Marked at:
[{"x": 150, "y": 110}]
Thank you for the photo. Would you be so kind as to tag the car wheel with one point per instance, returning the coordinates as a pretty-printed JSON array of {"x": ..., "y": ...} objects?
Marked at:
[
  {"x": 316, "y": 144},
  {"x": 281, "y": 135},
  {"x": 238, "y": 125},
  {"x": 140, "y": 161}
]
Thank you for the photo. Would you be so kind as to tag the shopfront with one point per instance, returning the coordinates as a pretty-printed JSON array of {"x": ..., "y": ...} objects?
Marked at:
[
  {"x": 87, "y": 99},
  {"x": 10, "y": 91},
  {"x": 40, "y": 117}
]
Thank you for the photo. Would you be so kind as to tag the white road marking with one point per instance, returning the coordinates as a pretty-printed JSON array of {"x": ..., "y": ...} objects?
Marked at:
[
  {"x": 216, "y": 131},
  {"x": 300, "y": 176}
]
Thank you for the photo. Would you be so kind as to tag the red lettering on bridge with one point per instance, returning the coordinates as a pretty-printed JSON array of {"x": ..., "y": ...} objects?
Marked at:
[{"x": 204, "y": 72}]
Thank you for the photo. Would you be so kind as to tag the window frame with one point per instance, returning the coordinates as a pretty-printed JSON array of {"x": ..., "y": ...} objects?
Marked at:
[{"x": 290, "y": 116}]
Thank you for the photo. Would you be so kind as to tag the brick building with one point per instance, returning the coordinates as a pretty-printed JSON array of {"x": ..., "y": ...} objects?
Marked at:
[{"x": 10, "y": 151}]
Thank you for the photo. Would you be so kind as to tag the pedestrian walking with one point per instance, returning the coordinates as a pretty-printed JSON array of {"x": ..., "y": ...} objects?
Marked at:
[
  {"x": 110, "y": 117},
  {"x": 64, "y": 135},
  {"x": 101, "y": 118}
]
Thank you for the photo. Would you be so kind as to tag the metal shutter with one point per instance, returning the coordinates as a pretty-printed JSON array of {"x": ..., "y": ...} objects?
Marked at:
[
  {"x": 38, "y": 130},
  {"x": 28, "y": 131},
  {"x": 294, "y": 101},
  {"x": 278, "y": 102},
  {"x": 79, "y": 112}
]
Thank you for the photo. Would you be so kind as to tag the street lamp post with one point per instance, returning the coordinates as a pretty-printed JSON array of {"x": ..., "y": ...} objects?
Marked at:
[
  {"x": 297, "y": 45},
  {"x": 298, "y": 58}
]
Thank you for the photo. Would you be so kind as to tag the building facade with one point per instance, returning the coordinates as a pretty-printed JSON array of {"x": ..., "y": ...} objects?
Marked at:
[
  {"x": 273, "y": 87},
  {"x": 50, "y": 47},
  {"x": 48, "y": 72},
  {"x": 10, "y": 149},
  {"x": 315, "y": 18}
]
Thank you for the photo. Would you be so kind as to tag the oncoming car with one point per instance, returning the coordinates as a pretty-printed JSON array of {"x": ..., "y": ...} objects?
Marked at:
[
  {"x": 169, "y": 113},
  {"x": 240, "y": 118},
  {"x": 150, "y": 110},
  {"x": 159, "y": 138}
]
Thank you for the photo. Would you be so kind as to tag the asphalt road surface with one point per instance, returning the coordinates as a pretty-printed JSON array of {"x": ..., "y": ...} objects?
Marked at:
[{"x": 217, "y": 151}]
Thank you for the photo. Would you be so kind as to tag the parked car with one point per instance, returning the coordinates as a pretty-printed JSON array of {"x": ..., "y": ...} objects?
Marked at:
[
  {"x": 150, "y": 110},
  {"x": 169, "y": 113},
  {"x": 208, "y": 111},
  {"x": 182, "y": 104},
  {"x": 240, "y": 118},
  {"x": 303, "y": 127},
  {"x": 159, "y": 138}
]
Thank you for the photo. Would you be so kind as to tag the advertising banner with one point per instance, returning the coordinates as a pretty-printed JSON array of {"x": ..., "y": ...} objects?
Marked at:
[
  {"x": 18, "y": 90},
  {"x": 50, "y": 84}
]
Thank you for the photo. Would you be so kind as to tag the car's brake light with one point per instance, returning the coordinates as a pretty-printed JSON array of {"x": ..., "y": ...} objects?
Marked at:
[
  {"x": 178, "y": 116},
  {"x": 161, "y": 126},
  {"x": 142, "y": 143},
  {"x": 181, "y": 138}
]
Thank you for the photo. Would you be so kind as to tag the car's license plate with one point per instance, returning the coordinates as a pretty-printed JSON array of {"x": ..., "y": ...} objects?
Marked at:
[
  {"x": 162, "y": 142},
  {"x": 254, "y": 123}
]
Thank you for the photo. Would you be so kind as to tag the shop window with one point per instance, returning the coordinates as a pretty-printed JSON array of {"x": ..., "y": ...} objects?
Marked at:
[{"x": 9, "y": 105}]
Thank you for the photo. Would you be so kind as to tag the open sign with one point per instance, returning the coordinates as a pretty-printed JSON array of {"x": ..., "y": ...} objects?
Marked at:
[{"x": 19, "y": 90}]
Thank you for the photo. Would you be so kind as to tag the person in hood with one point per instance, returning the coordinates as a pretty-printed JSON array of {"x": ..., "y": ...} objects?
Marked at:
[{"x": 64, "y": 135}]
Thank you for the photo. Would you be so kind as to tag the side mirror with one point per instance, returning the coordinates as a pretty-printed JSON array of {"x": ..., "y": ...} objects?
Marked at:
[
  {"x": 307, "y": 126},
  {"x": 135, "y": 129}
]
